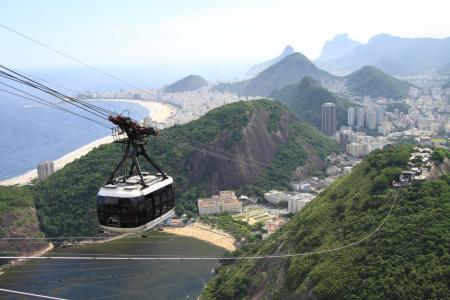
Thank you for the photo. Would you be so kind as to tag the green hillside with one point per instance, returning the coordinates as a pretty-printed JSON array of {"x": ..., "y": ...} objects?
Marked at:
[
  {"x": 370, "y": 81},
  {"x": 305, "y": 99},
  {"x": 188, "y": 83},
  {"x": 66, "y": 201},
  {"x": 407, "y": 259},
  {"x": 289, "y": 70}
]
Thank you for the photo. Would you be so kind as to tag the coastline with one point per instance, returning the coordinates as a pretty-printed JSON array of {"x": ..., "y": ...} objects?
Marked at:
[
  {"x": 157, "y": 111},
  {"x": 205, "y": 233}
]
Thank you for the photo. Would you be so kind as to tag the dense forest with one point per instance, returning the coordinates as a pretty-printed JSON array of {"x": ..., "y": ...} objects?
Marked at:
[
  {"x": 65, "y": 202},
  {"x": 370, "y": 81},
  {"x": 305, "y": 99},
  {"x": 407, "y": 259}
]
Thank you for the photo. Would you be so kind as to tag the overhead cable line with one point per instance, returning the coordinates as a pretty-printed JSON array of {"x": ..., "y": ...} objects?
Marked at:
[
  {"x": 194, "y": 258},
  {"x": 29, "y": 294},
  {"x": 72, "y": 58},
  {"x": 48, "y": 103},
  {"x": 34, "y": 84}
]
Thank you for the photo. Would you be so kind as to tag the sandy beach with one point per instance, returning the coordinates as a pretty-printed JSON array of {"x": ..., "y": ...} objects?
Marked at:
[
  {"x": 158, "y": 112},
  {"x": 205, "y": 233}
]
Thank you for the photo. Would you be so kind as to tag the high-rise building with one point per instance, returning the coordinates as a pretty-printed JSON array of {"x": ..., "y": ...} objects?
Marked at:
[
  {"x": 351, "y": 116},
  {"x": 329, "y": 119},
  {"x": 45, "y": 169},
  {"x": 372, "y": 119},
  {"x": 360, "y": 122}
]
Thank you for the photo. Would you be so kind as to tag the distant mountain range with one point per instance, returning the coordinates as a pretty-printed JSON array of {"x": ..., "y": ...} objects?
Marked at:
[
  {"x": 188, "y": 83},
  {"x": 294, "y": 67},
  {"x": 394, "y": 55},
  {"x": 289, "y": 70},
  {"x": 255, "y": 70},
  {"x": 338, "y": 46},
  {"x": 305, "y": 99}
]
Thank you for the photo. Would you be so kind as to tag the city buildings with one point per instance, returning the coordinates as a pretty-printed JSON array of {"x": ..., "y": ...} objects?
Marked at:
[
  {"x": 351, "y": 116},
  {"x": 226, "y": 201},
  {"x": 329, "y": 119},
  {"x": 45, "y": 169},
  {"x": 297, "y": 201}
]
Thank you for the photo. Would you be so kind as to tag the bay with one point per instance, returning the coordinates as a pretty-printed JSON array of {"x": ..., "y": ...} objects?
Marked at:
[
  {"x": 118, "y": 279},
  {"x": 32, "y": 133}
]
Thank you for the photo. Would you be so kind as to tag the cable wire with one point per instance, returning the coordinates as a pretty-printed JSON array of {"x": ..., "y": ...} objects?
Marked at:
[
  {"x": 254, "y": 257},
  {"x": 48, "y": 103}
]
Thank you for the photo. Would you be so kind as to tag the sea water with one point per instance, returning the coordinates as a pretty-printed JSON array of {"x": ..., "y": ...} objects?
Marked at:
[
  {"x": 100, "y": 279},
  {"x": 31, "y": 133}
]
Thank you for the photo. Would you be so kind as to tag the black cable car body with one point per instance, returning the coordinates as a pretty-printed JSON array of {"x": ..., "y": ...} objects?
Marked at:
[{"x": 136, "y": 201}]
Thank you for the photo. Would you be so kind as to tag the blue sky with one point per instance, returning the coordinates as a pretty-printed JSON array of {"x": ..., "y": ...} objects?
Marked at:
[{"x": 193, "y": 32}]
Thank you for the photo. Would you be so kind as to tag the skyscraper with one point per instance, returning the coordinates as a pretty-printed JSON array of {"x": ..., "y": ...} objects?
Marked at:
[
  {"x": 360, "y": 117},
  {"x": 45, "y": 169},
  {"x": 329, "y": 119},
  {"x": 351, "y": 116}
]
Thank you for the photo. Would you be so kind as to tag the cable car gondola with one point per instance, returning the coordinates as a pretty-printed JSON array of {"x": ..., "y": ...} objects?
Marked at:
[{"x": 134, "y": 202}]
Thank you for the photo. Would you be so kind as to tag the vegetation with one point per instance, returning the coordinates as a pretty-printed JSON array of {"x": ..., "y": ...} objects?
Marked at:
[
  {"x": 402, "y": 107},
  {"x": 188, "y": 83},
  {"x": 66, "y": 201},
  {"x": 370, "y": 81},
  {"x": 289, "y": 70},
  {"x": 408, "y": 259},
  {"x": 305, "y": 99},
  {"x": 12, "y": 197}
]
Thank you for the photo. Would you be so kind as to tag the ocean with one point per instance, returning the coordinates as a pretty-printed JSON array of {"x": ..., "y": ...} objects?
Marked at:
[
  {"x": 91, "y": 279},
  {"x": 32, "y": 133}
]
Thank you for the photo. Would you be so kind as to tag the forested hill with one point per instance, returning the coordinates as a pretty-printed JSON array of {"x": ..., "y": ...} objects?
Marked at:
[
  {"x": 291, "y": 69},
  {"x": 407, "y": 259},
  {"x": 267, "y": 142},
  {"x": 370, "y": 81},
  {"x": 188, "y": 83},
  {"x": 305, "y": 99}
]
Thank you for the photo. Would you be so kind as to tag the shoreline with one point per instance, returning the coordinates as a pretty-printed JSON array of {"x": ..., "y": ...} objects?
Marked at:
[
  {"x": 204, "y": 233},
  {"x": 157, "y": 112}
]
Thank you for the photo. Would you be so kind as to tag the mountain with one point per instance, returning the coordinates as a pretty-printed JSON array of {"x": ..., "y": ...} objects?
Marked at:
[
  {"x": 255, "y": 70},
  {"x": 407, "y": 258},
  {"x": 305, "y": 99},
  {"x": 289, "y": 70},
  {"x": 188, "y": 83},
  {"x": 394, "y": 55},
  {"x": 370, "y": 81},
  {"x": 338, "y": 46},
  {"x": 268, "y": 145}
]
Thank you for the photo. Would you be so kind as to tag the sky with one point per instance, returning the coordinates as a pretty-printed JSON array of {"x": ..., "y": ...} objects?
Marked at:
[{"x": 135, "y": 32}]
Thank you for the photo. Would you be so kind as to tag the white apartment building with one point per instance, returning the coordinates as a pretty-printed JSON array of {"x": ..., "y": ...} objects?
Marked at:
[
  {"x": 226, "y": 201},
  {"x": 276, "y": 197},
  {"x": 45, "y": 169},
  {"x": 298, "y": 201}
]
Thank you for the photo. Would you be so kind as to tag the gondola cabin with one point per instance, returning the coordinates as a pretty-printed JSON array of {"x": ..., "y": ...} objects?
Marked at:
[{"x": 128, "y": 206}]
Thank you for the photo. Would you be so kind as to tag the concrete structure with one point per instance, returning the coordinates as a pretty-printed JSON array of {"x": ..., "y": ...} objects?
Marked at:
[
  {"x": 329, "y": 119},
  {"x": 276, "y": 197},
  {"x": 372, "y": 119},
  {"x": 226, "y": 201},
  {"x": 297, "y": 201},
  {"x": 360, "y": 121},
  {"x": 45, "y": 169},
  {"x": 351, "y": 116}
]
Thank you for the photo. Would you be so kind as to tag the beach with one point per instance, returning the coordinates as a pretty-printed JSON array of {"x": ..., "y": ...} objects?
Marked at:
[
  {"x": 205, "y": 233},
  {"x": 158, "y": 112}
]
